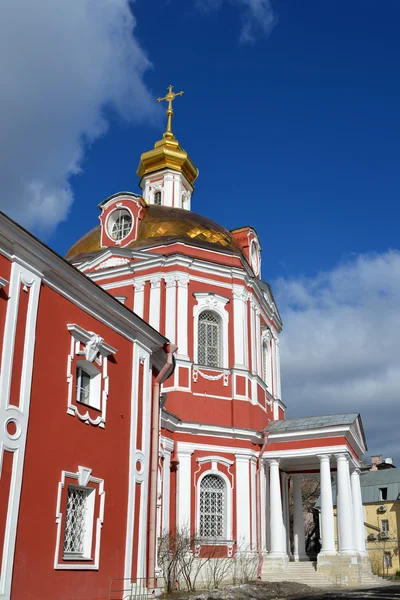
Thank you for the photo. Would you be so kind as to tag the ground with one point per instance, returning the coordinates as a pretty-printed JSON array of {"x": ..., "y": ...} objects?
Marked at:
[{"x": 291, "y": 591}]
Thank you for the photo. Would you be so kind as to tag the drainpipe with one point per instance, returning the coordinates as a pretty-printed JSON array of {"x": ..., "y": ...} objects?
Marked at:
[
  {"x": 258, "y": 500},
  {"x": 155, "y": 419}
]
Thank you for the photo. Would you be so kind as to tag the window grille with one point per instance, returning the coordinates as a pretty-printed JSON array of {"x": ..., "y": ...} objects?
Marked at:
[
  {"x": 82, "y": 386},
  {"x": 157, "y": 198},
  {"x": 75, "y": 521},
  {"x": 121, "y": 226},
  {"x": 212, "y": 507},
  {"x": 385, "y": 526},
  {"x": 209, "y": 339}
]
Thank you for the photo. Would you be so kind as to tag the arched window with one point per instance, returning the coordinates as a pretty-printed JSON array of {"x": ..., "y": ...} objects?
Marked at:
[
  {"x": 157, "y": 198},
  {"x": 266, "y": 360},
  {"x": 209, "y": 339},
  {"x": 212, "y": 507}
]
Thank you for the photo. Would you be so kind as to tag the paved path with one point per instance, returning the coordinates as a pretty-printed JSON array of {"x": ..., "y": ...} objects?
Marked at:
[{"x": 385, "y": 592}]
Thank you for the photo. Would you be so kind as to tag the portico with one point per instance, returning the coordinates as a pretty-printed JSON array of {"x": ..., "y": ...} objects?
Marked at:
[{"x": 331, "y": 446}]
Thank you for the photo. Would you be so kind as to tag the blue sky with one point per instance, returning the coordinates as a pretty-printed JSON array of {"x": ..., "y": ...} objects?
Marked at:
[
  {"x": 291, "y": 113},
  {"x": 297, "y": 133}
]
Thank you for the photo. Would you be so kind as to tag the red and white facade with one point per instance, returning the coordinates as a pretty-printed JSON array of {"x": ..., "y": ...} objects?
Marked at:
[{"x": 81, "y": 373}]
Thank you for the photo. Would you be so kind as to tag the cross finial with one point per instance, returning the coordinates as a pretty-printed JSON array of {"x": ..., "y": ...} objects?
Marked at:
[{"x": 169, "y": 98}]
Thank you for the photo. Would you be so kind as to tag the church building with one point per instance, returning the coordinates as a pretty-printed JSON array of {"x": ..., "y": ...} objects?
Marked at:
[{"x": 141, "y": 393}]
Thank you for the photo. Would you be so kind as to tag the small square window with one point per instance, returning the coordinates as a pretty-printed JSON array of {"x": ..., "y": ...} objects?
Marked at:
[
  {"x": 383, "y": 493},
  {"x": 78, "y": 523}
]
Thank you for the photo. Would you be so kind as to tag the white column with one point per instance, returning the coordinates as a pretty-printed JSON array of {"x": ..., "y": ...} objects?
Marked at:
[
  {"x": 240, "y": 325},
  {"x": 327, "y": 520},
  {"x": 182, "y": 315},
  {"x": 344, "y": 506},
  {"x": 253, "y": 470},
  {"x": 299, "y": 542},
  {"x": 185, "y": 486},
  {"x": 275, "y": 510},
  {"x": 242, "y": 502},
  {"x": 170, "y": 308},
  {"x": 285, "y": 512},
  {"x": 263, "y": 507},
  {"x": 154, "y": 310},
  {"x": 358, "y": 512},
  {"x": 138, "y": 301}
]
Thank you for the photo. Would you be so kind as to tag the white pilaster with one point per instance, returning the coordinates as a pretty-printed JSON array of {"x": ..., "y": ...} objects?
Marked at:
[
  {"x": 138, "y": 302},
  {"x": 166, "y": 490},
  {"x": 258, "y": 343},
  {"x": 298, "y": 519},
  {"x": 275, "y": 511},
  {"x": 253, "y": 357},
  {"x": 182, "y": 316},
  {"x": 242, "y": 502},
  {"x": 240, "y": 296},
  {"x": 327, "y": 521},
  {"x": 358, "y": 512},
  {"x": 185, "y": 487},
  {"x": 285, "y": 513},
  {"x": 170, "y": 308},
  {"x": 154, "y": 310},
  {"x": 278, "y": 369},
  {"x": 344, "y": 506}
]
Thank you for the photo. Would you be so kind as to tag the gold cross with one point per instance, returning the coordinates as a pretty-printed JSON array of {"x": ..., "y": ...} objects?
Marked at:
[{"x": 169, "y": 98}]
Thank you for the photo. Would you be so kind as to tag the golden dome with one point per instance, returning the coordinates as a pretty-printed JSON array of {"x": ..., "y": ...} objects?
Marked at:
[{"x": 162, "y": 224}]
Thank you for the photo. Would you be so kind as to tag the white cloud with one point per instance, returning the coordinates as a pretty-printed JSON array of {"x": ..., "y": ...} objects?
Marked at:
[
  {"x": 257, "y": 15},
  {"x": 341, "y": 345},
  {"x": 61, "y": 64}
]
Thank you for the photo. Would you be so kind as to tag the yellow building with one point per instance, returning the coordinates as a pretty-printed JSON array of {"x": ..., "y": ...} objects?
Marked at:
[{"x": 380, "y": 492}]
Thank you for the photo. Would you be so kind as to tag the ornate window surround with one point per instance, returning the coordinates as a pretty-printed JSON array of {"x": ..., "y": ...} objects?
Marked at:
[
  {"x": 95, "y": 351},
  {"x": 111, "y": 216},
  {"x": 216, "y": 303},
  {"x": 228, "y": 502},
  {"x": 83, "y": 477}
]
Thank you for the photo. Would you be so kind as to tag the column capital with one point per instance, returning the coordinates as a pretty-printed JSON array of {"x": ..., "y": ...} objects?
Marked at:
[
  {"x": 274, "y": 461},
  {"x": 356, "y": 471},
  {"x": 342, "y": 456},
  {"x": 324, "y": 457},
  {"x": 138, "y": 284},
  {"x": 170, "y": 281},
  {"x": 182, "y": 279},
  {"x": 155, "y": 281}
]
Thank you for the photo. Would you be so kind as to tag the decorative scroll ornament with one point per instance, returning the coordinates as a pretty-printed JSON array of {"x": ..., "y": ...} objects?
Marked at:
[
  {"x": 112, "y": 262},
  {"x": 92, "y": 347},
  {"x": 197, "y": 372}
]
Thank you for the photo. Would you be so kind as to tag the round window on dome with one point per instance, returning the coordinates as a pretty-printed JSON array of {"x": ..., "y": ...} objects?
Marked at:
[
  {"x": 119, "y": 224},
  {"x": 255, "y": 257}
]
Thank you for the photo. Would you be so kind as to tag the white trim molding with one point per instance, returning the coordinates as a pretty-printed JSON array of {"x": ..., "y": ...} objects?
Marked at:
[
  {"x": 15, "y": 442},
  {"x": 83, "y": 477},
  {"x": 215, "y": 303}
]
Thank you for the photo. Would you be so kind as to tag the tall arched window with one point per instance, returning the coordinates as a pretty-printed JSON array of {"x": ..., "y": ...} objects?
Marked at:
[
  {"x": 266, "y": 358},
  {"x": 212, "y": 507},
  {"x": 157, "y": 198},
  {"x": 209, "y": 339}
]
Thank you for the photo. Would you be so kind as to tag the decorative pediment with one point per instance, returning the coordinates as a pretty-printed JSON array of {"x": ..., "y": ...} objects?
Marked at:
[
  {"x": 114, "y": 261},
  {"x": 94, "y": 344}
]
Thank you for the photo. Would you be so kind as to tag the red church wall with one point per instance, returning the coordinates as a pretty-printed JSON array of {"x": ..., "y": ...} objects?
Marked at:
[{"x": 57, "y": 441}]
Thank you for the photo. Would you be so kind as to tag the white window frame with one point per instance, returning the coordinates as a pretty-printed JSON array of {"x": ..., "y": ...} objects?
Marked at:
[
  {"x": 112, "y": 218},
  {"x": 88, "y": 351},
  {"x": 94, "y": 375},
  {"x": 214, "y": 303},
  {"x": 385, "y": 528},
  {"x": 228, "y": 505},
  {"x": 217, "y": 323},
  {"x": 83, "y": 478},
  {"x": 87, "y": 540},
  {"x": 266, "y": 344}
]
